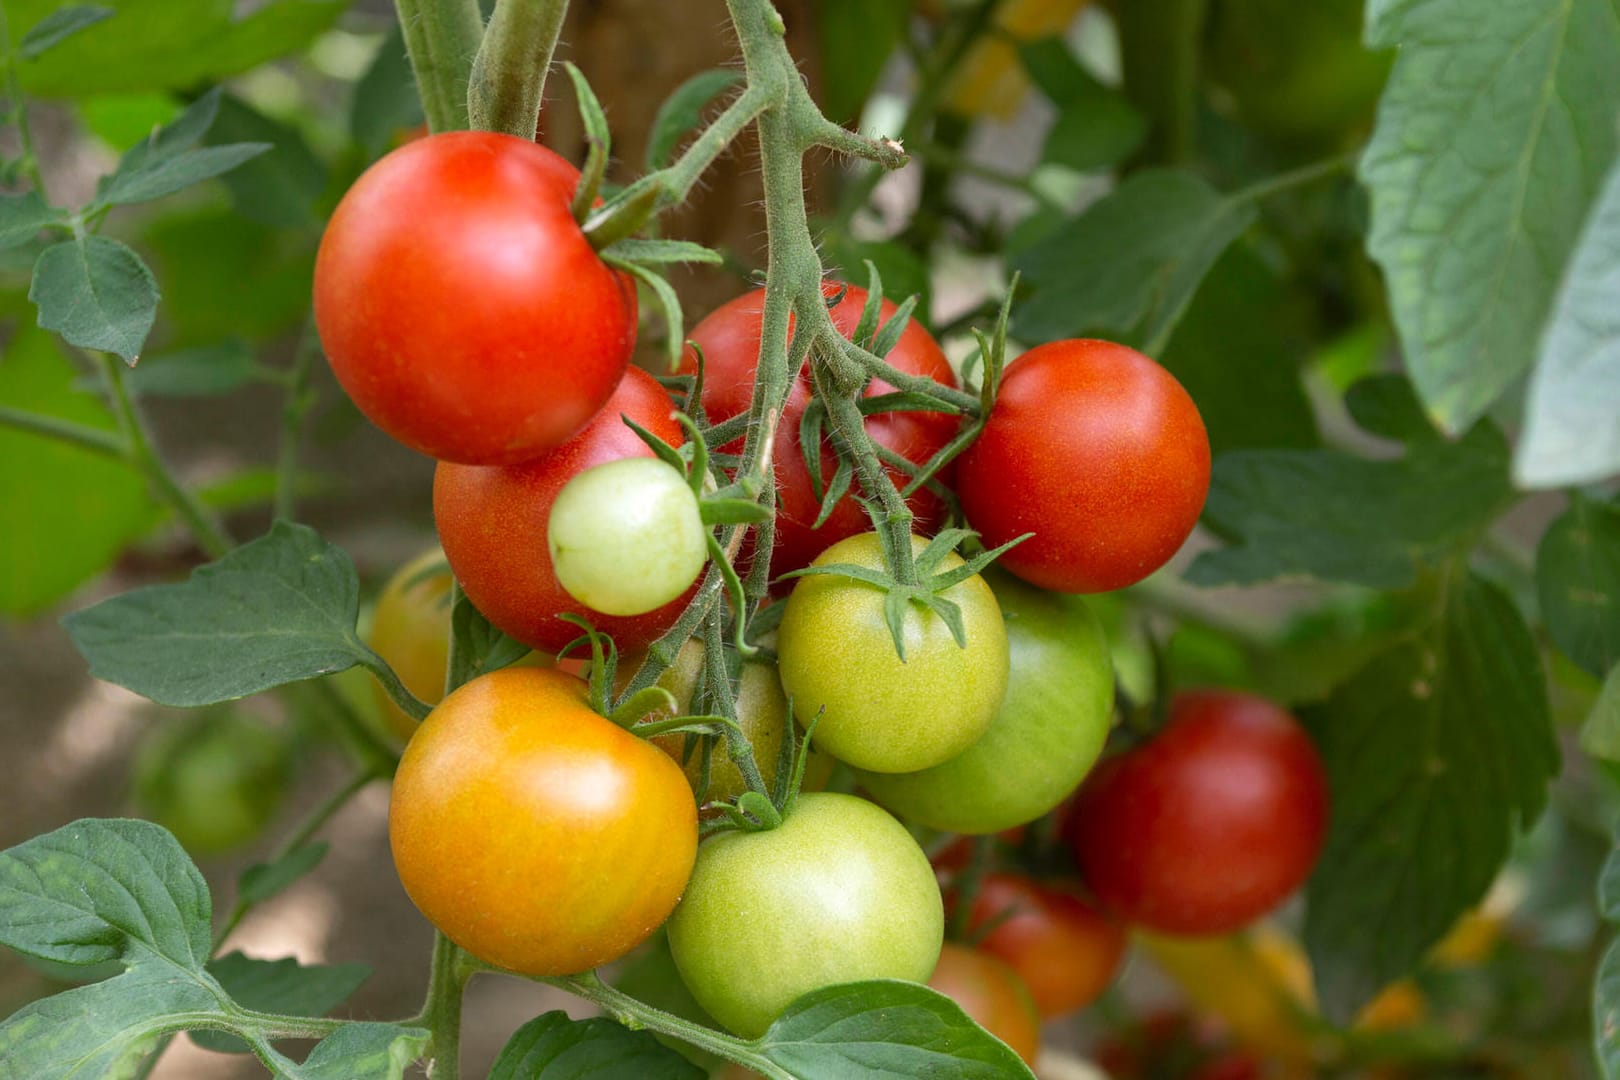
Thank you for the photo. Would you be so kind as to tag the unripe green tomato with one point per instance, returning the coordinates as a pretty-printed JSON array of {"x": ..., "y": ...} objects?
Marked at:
[
  {"x": 884, "y": 714},
  {"x": 213, "y": 778},
  {"x": 626, "y": 537},
  {"x": 838, "y": 893},
  {"x": 1051, "y": 727}
]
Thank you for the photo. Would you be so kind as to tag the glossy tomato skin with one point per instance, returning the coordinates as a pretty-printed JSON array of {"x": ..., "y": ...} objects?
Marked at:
[
  {"x": 410, "y": 628},
  {"x": 492, "y": 524},
  {"x": 461, "y": 306},
  {"x": 877, "y": 712},
  {"x": 838, "y": 893},
  {"x": 516, "y": 810},
  {"x": 991, "y": 993},
  {"x": 1045, "y": 737},
  {"x": 1100, "y": 453},
  {"x": 1210, "y": 824},
  {"x": 1065, "y": 950},
  {"x": 730, "y": 339}
]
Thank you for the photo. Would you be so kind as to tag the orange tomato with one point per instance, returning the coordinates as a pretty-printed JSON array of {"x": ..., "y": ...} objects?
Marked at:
[{"x": 991, "y": 992}]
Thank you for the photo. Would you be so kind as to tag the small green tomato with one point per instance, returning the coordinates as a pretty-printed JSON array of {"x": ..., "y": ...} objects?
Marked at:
[{"x": 626, "y": 537}]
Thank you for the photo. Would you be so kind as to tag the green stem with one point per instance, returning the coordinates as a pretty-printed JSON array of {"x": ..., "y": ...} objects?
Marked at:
[
  {"x": 205, "y": 529},
  {"x": 722, "y": 693},
  {"x": 894, "y": 517},
  {"x": 371, "y": 753},
  {"x": 508, "y": 79},
  {"x": 678, "y": 179},
  {"x": 19, "y": 109},
  {"x": 1159, "y": 43},
  {"x": 441, "y": 1013},
  {"x": 956, "y": 162},
  {"x": 66, "y": 431},
  {"x": 1294, "y": 178},
  {"x": 294, "y": 411},
  {"x": 442, "y": 37}
]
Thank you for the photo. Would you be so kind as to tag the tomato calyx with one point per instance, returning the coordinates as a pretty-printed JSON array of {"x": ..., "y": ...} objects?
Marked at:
[{"x": 754, "y": 811}]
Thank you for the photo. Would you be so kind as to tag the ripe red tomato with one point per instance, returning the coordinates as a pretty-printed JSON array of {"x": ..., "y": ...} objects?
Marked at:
[
  {"x": 1065, "y": 950},
  {"x": 1209, "y": 825},
  {"x": 991, "y": 993},
  {"x": 461, "y": 306},
  {"x": 492, "y": 525},
  {"x": 1100, "y": 453},
  {"x": 515, "y": 813},
  {"x": 730, "y": 338}
]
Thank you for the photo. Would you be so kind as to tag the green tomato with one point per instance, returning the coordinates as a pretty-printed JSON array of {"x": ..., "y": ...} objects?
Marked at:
[
  {"x": 626, "y": 538},
  {"x": 1047, "y": 736},
  {"x": 840, "y": 892},
  {"x": 884, "y": 714},
  {"x": 213, "y": 778}
]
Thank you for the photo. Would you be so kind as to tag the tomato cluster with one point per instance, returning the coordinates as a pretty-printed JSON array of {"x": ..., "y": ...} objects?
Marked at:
[{"x": 491, "y": 336}]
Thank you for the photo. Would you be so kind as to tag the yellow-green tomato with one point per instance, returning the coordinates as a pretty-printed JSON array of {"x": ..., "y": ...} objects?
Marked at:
[
  {"x": 411, "y": 630},
  {"x": 882, "y": 713},
  {"x": 626, "y": 538},
  {"x": 214, "y": 777},
  {"x": 838, "y": 893},
  {"x": 1051, "y": 727}
]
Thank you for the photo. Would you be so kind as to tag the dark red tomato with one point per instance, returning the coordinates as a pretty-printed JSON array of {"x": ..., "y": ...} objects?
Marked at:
[
  {"x": 492, "y": 525},
  {"x": 1209, "y": 825},
  {"x": 461, "y": 306},
  {"x": 1100, "y": 453},
  {"x": 730, "y": 338},
  {"x": 1065, "y": 950}
]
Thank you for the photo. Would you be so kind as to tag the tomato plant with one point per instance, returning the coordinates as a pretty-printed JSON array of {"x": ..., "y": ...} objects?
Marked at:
[
  {"x": 214, "y": 779},
  {"x": 1100, "y": 453},
  {"x": 838, "y": 892},
  {"x": 503, "y": 837},
  {"x": 990, "y": 992},
  {"x": 410, "y": 630},
  {"x": 877, "y": 710},
  {"x": 460, "y": 305},
  {"x": 1209, "y": 825}
]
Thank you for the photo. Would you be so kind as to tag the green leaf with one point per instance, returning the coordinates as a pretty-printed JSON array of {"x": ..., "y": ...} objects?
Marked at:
[
  {"x": 857, "y": 37},
  {"x": 1437, "y": 751},
  {"x": 1606, "y": 1012},
  {"x": 386, "y": 101},
  {"x": 885, "y": 1029},
  {"x": 168, "y": 44},
  {"x": 1129, "y": 265},
  {"x": 225, "y": 276},
  {"x": 60, "y": 25},
  {"x": 1493, "y": 137},
  {"x": 1608, "y": 892},
  {"x": 278, "y": 986},
  {"x": 122, "y": 120},
  {"x": 1578, "y": 583},
  {"x": 261, "y": 881},
  {"x": 160, "y": 175},
  {"x": 732, "y": 511},
  {"x": 553, "y": 1047},
  {"x": 205, "y": 371},
  {"x": 279, "y": 188},
  {"x": 361, "y": 1051},
  {"x": 22, "y": 216},
  {"x": 276, "y": 610},
  {"x": 65, "y": 512},
  {"x": 662, "y": 251},
  {"x": 1331, "y": 515},
  {"x": 1600, "y": 733},
  {"x": 1095, "y": 126},
  {"x": 96, "y": 293},
  {"x": 480, "y": 647},
  {"x": 683, "y": 110},
  {"x": 669, "y": 305},
  {"x": 1572, "y": 415}
]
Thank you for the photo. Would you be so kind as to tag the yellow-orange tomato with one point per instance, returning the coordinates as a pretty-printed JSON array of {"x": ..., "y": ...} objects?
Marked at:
[
  {"x": 990, "y": 80},
  {"x": 410, "y": 628},
  {"x": 992, "y": 993},
  {"x": 535, "y": 834}
]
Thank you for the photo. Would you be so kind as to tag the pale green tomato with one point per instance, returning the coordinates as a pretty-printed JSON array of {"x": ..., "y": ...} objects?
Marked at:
[
  {"x": 626, "y": 538},
  {"x": 835, "y": 652},
  {"x": 1051, "y": 727},
  {"x": 840, "y": 892}
]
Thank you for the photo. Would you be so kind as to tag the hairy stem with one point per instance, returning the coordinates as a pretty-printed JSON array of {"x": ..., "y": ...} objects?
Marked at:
[
  {"x": 66, "y": 431},
  {"x": 508, "y": 79},
  {"x": 441, "y": 1013},
  {"x": 442, "y": 37}
]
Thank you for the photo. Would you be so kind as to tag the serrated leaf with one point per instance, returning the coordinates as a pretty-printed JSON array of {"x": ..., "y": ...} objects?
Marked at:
[
  {"x": 160, "y": 175},
  {"x": 279, "y": 187},
  {"x": 60, "y": 25},
  {"x": 386, "y": 101},
  {"x": 261, "y": 881},
  {"x": 100, "y": 1030},
  {"x": 885, "y": 1030},
  {"x": 1437, "y": 752},
  {"x": 360, "y": 1051},
  {"x": 1130, "y": 263},
  {"x": 1331, "y": 515},
  {"x": 1492, "y": 139},
  {"x": 682, "y": 111},
  {"x": 96, "y": 293},
  {"x": 1578, "y": 583},
  {"x": 278, "y": 986},
  {"x": 1606, "y": 1012},
  {"x": 1600, "y": 733},
  {"x": 553, "y": 1047},
  {"x": 201, "y": 372},
  {"x": 276, "y": 610},
  {"x": 1572, "y": 414},
  {"x": 22, "y": 216},
  {"x": 634, "y": 249}
]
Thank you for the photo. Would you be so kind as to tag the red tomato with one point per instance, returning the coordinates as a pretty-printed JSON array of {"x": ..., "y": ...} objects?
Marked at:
[
  {"x": 461, "y": 306},
  {"x": 1065, "y": 950},
  {"x": 991, "y": 993},
  {"x": 1100, "y": 453},
  {"x": 730, "y": 339},
  {"x": 1208, "y": 826},
  {"x": 492, "y": 525}
]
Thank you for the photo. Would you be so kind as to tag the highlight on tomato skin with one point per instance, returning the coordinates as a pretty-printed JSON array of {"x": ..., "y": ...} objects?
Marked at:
[{"x": 1100, "y": 453}]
